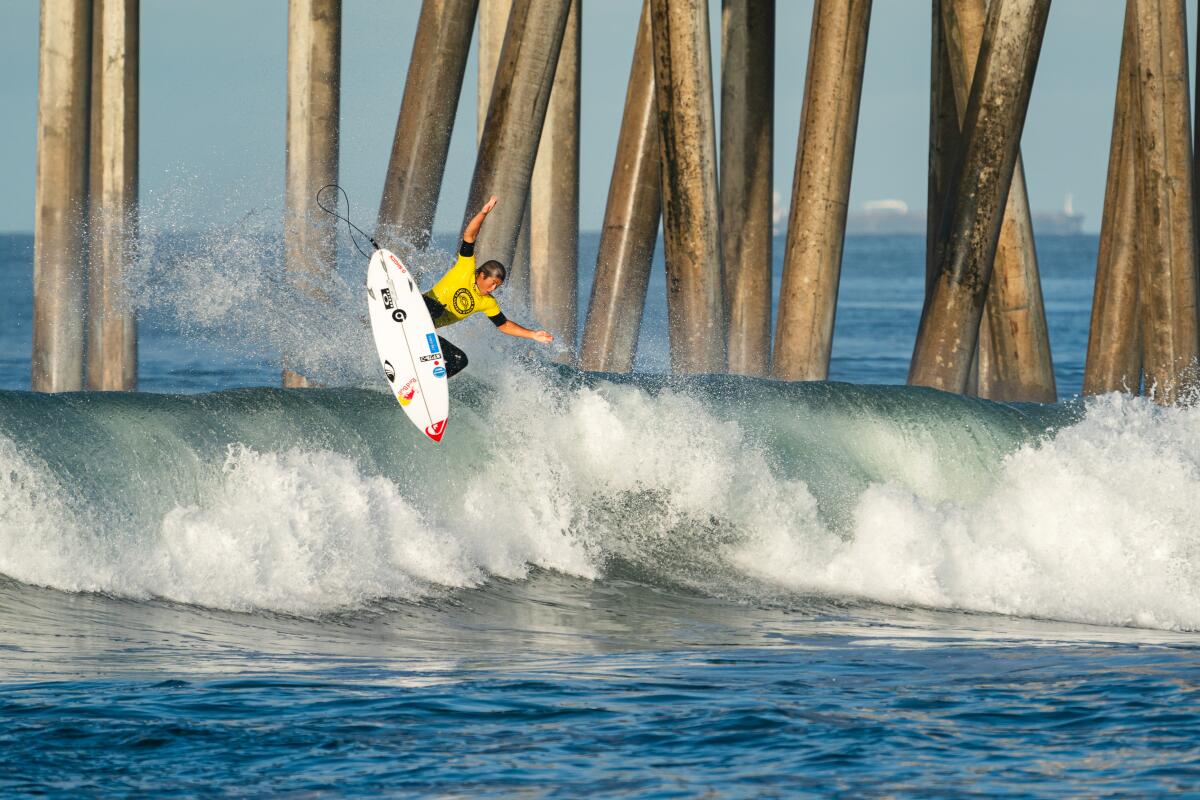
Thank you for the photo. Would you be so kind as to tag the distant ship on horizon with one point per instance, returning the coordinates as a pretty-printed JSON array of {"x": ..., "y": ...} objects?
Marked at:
[{"x": 890, "y": 217}]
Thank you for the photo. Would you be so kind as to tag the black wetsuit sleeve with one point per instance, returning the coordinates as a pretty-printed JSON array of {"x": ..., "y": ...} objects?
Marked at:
[
  {"x": 499, "y": 319},
  {"x": 466, "y": 249}
]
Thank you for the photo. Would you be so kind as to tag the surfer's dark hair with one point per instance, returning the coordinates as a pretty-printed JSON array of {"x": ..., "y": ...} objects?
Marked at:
[{"x": 493, "y": 269}]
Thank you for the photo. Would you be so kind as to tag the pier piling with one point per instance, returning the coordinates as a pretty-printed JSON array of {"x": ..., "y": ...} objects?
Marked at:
[
  {"x": 945, "y": 133},
  {"x": 1013, "y": 354},
  {"x": 426, "y": 121},
  {"x": 60, "y": 203},
  {"x": 313, "y": 112},
  {"x": 696, "y": 321},
  {"x": 979, "y": 189},
  {"x": 631, "y": 218},
  {"x": 493, "y": 21},
  {"x": 554, "y": 202},
  {"x": 747, "y": 147},
  {"x": 1167, "y": 235},
  {"x": 1114, "y": 354},
  {"x": 516, "y": 112},
  {"x": 812, "y": 261},
  {"x": 112, "y": 227}
]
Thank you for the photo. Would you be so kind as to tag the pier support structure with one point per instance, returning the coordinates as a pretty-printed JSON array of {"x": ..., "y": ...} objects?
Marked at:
[
  {"x": 1114, "y": 353},
  {"x": 493, "y": 21},
  {"x": 112, "y": 229},
  {"x": 979, "y": 188},
  {"x": 313, "y": 113},
  {"x": 60, "y": 203},
  {"x": 691, "y": 218},
  {"x": 812, "y": 261},
  {"x": 554, "y": 201},
  {"x": 431, "y": 92},
  {"x": 516, "y": 112},
  {"x": 1013, "y": 355},
  {"x": 631, "y": 218},
  {"x": 1165, "y": 198},
  {"x": 747, "y": 148}
]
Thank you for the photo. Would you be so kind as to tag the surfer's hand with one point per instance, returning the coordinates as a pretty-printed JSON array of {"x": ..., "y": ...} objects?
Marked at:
[
  {"x": 545, "y": 337},
  {"x": 489, "y": 205}
]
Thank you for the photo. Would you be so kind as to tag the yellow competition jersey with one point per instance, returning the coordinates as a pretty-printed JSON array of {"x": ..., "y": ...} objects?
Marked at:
[{"x": 456, "y": 297}]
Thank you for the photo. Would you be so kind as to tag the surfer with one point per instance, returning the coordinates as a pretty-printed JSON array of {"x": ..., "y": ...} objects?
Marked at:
[{"x": 466, "y": 290}]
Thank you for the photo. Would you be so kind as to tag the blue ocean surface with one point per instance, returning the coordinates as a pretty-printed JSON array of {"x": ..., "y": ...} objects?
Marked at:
[{"x": 596, "y": 585}]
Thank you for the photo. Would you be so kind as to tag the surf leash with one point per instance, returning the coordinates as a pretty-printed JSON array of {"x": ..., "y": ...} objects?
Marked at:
[{"x": 350, "y": 226}]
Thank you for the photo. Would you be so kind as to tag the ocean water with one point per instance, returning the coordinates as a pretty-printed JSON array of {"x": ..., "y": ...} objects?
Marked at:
[{"x": 640, "y": 585}]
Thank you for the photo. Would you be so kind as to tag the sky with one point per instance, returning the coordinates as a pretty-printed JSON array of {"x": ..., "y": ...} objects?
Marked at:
[{"x": 213, "y": 105}]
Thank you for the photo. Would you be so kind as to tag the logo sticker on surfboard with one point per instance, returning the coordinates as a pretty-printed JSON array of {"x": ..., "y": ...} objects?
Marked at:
[{"x": 436, "y": 430}]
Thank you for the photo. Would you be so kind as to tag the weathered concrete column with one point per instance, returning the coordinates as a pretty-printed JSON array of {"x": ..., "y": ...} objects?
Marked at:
[
  {"x": 1167, "y": 240},
  {"x": 516, "y": 112},
  {"x": 313, "y": 113},
  {"x": 1114, "y": 354},
  {"x": 945, "y": 133},
  {"x": 747, "y": 148},
  {"x": 554, "y": 202},
  {"x": 112, "y": 324},
  {"x": 631, "y": 218},
  {"x": 1014, "y": 361},
  {"x": 979, "y": 188},
  {"x": 493, "y": 21},
  {"x": 691, "y": 216},
  {"x": 812, "y": 261},
  {"x": 60, "y": 202},
  {"x": 431, "y": 92}
]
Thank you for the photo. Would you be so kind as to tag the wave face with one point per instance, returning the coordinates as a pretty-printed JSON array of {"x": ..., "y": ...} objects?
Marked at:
[{"x": 315, "y": 501}]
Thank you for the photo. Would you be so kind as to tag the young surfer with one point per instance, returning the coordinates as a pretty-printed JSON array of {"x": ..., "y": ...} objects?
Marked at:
[{"x": 466, "y": 290}]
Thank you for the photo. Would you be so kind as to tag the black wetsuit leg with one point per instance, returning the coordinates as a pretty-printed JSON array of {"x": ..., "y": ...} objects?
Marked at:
[{"x": 456, "y": 359}]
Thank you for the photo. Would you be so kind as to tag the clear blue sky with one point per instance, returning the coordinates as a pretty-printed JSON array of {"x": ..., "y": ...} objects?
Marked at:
[{"x": 213, "y": 104}]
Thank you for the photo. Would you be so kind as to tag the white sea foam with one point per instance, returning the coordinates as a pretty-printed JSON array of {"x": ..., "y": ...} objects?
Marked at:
[{"x": 1099, "y": 523}]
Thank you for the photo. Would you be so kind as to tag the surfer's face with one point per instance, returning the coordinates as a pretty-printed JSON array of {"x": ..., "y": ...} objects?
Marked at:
[{"x": 486, "y": 283}]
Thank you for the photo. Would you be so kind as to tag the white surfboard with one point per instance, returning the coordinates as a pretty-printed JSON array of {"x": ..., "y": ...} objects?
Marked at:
[{"x": 408, "y": 347}]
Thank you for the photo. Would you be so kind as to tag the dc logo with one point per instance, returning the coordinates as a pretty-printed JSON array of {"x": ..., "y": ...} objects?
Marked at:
[{"x": 399, "y": 315}]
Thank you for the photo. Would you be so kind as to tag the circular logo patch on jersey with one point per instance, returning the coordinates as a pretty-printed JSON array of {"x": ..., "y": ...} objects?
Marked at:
[{"x": 464, "y": 302}]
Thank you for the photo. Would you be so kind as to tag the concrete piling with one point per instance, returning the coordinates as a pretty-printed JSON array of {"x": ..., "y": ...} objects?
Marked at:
[
  {"x": 821, "y": 189},
  {"x": 631, "y": 218},
  {"x": 516, "y": 112},
  {"x": 945, "y": 135},
  {"x": 493, "y": 21},
  {"x": 431, "y": 91},
  {"x": 112, "y": 227},
  {"x": 313, "y": 112},
  {"x": 1013, "y": 355},
  {"x": 554, "y": 201},
  {"x": 691, "y": 220},
  {"x": 60, "y": 204},
  {"x": 1114, "y": 354},
  {"x": 1165, "y": 196},
  {"x": 747, "y": 142},
  {"x": 979, "y": 189}
]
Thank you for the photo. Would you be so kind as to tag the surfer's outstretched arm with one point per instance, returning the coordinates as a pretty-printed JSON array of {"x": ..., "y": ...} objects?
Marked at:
[
  {"x": 521, "y": 332},
  {"x": 472, "y": 229}
]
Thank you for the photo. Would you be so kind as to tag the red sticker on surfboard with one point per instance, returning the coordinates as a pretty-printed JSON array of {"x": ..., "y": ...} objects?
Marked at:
[{"x": 436, "y": 430}]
